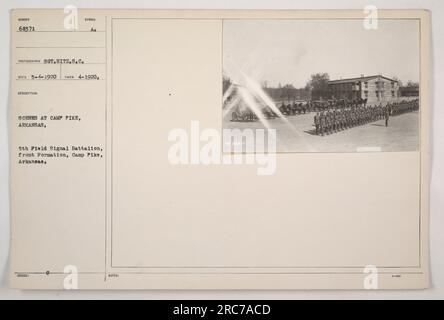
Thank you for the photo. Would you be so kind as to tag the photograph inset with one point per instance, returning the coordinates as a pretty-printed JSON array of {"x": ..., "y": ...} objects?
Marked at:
[{"x": 324, "y": 85}]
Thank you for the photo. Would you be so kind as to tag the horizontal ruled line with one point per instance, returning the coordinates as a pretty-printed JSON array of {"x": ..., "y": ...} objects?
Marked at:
[
  {"x": 60, "y": 80},
  {"x": 215, "y": 273},
  {"x": 48, "y": 31},
  {"x": 60, "y": 47},
  {"x": 54, "y": 64}
]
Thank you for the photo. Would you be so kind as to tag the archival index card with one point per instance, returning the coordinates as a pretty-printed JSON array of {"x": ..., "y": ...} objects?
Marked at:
[{"x": 219, "y": 149}]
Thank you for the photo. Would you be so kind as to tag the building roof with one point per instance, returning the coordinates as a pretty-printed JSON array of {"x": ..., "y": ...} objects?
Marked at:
[{"x": 359, "y": 79}]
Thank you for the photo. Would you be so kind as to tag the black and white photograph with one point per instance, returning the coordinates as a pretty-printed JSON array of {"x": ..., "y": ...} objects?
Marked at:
[{"x": 324, "y": 85}]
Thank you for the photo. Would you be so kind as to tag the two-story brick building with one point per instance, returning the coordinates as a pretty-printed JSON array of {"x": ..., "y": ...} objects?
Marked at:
[{"x": 375, "y": 89}]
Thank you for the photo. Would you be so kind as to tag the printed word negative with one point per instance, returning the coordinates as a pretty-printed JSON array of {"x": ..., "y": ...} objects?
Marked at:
[{"x": 235, "y": 147}]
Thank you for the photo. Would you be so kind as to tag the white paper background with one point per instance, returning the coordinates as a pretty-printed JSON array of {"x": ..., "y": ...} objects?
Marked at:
[{"x": 437, "y": 203}]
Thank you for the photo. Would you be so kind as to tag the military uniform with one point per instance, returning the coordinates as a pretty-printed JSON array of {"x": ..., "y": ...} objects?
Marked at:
[
  {"x": 317, "y": 123},
  {"x": 322, "y": 123}
]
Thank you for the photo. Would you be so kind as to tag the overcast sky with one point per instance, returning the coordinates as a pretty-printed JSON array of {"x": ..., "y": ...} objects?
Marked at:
[{"x": 289, "y": 51}]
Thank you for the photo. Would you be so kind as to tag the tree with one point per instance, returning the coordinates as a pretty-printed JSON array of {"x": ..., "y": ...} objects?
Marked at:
[
  {"x": 411, "y": 83},
  {"x": 288, "y": 92},
  {"x": 226, "y": 83},
  {"x": 318, "y": 85},
  {"x": 397, "y": 80}
]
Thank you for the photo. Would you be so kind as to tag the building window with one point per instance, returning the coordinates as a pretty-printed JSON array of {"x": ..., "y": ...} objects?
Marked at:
[
  {"x": 393, "y": 84},
  {"x": 366, "y": 93},
  {"x": 393, "y": 93},
  {"x": 366, "y": 84}
]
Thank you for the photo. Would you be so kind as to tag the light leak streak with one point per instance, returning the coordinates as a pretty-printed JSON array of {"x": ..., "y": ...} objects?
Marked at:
[
  {"x": 258, "y": 91},
  {"x": 230, "y": 106},
  {"x": 253, "y": 90},
  {"x": 228, "y": 93},
  {"x": 253, "y": 106}
]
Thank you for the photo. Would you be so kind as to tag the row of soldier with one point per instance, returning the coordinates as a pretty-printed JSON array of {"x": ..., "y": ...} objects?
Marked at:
[
  {"x": 308, "y": 106},
  {"x": 329, "y": 105},
  {"x": 403, "y": 106},
  {"x": 335, "y": 120},
  {"x": 329, "y": 109},
  {"x": 294, "y": 108},
  {"x": 246, "y": 114}
]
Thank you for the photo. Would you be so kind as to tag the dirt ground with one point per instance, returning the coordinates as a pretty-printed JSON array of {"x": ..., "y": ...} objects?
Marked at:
[{"x": 297, "y": 134}]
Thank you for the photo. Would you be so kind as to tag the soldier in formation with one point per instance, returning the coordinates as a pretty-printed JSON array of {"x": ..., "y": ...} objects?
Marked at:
[
  {"x": 403, "y": 106},
  {"x": 334, "y": 120}
]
